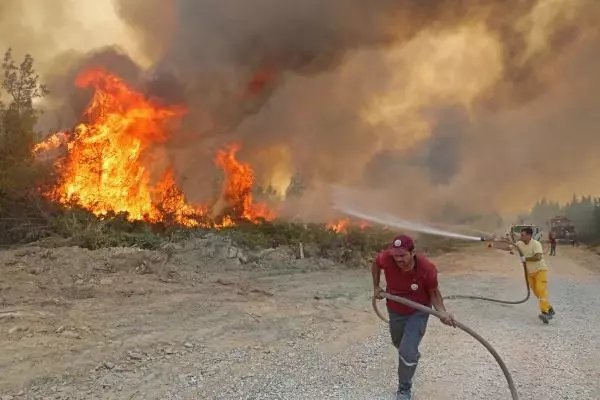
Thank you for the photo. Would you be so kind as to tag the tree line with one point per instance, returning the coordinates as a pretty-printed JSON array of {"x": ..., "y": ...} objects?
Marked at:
[{"x": 583, "y": 212}]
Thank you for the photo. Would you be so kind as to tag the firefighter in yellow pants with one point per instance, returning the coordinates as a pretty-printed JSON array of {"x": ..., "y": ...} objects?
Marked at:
[{"x": 537, "y": 271}]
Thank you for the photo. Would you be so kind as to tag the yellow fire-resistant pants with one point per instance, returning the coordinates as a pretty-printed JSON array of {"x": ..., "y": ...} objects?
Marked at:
[{"x": 538, "y": 281}]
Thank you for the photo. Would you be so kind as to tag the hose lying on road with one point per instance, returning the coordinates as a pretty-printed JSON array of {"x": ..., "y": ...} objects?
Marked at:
[
  {"x": 463, "y": 327},
  {"x": 456, "y": 297}
]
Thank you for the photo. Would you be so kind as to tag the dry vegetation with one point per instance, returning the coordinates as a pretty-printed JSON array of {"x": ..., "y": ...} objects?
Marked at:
[{"x": 26, "y": 216}]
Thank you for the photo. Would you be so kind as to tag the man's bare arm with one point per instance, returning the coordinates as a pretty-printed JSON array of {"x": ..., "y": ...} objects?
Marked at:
[
  {"x": 536, "y": 257},
  {"x": 437, "y": 300},
  {"x": 376, "y": 274}
]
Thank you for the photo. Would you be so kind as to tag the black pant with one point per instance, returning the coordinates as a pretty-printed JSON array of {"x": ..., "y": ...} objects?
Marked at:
[{"x": 407, "y": 332}]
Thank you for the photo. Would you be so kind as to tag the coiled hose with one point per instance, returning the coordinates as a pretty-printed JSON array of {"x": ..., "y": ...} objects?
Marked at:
[{"x": 511, "y": 384}]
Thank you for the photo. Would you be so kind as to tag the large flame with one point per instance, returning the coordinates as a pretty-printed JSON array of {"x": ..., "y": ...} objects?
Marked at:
[
  {"x": 52, "y": 142},
  {"x": 106, "y": 166},
  {"x": 237, "y": 188}
]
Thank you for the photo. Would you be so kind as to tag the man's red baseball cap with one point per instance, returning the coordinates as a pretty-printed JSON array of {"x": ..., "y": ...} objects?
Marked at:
[{"x": 401, "y": 245}]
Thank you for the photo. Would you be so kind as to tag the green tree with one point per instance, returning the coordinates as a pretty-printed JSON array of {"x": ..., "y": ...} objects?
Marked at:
[
  {"x": 543, "y": 210},
  {"x": 581, "y": 213},
  {"x": 595, "y": 226},
  {"x": 18, "y": 116},
  {"x": 296, "y": 188}
]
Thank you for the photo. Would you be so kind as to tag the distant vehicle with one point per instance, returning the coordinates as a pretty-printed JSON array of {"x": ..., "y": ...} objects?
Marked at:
[
  {"x": 562, "y": 228},
  {"x": 515, "y": 231}
]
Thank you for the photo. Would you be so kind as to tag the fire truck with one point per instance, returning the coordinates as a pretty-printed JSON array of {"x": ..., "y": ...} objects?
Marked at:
[
  {"x": 562, "y": 228},
  {"x": 515, "y": 231}
]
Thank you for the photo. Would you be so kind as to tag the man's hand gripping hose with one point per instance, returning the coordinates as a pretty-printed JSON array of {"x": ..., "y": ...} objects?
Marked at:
[{"x": 460, "y": 325}]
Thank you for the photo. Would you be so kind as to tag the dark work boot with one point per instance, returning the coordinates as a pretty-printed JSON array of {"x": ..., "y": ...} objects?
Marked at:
[
  {"x": 545, "y": 317},
  {"x": 403, "y": 394}
]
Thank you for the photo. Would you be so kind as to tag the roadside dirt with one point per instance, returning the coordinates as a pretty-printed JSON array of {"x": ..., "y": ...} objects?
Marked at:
[{"x": 124, "y": 322}]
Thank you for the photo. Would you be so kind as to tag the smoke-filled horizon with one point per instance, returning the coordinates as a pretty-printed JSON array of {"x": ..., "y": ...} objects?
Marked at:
[{"x": 483, "y": 104}]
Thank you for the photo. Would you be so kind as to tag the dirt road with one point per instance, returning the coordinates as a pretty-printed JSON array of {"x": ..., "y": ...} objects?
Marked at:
[{"x": 121, "y": 324}]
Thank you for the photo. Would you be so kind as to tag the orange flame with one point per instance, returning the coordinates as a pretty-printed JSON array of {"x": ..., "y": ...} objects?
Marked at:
[
  {"x": 52, "y": 142},
  {"x": 342, "y": 225},
  {"x": 171, "y": 201},
  {"x": 237, "y": 188},
  {"x": 105, "y": 169},
  {"x": 263, "y": 77}
]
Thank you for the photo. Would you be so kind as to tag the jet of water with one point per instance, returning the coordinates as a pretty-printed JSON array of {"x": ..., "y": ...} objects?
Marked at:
[
  {"x": 386, "y": 219},
  {"x": 390, "y": 220}
]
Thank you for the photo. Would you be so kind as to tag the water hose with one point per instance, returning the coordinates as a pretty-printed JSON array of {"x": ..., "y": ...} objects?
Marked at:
[
  {"x": 463, "y": 327},
  {"x": 512, "y": 244}
]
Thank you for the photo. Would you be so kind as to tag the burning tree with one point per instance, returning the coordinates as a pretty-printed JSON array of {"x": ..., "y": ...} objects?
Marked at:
[
  {"x": 107, "y": 167},
  {"x": 237, "y": 187}
]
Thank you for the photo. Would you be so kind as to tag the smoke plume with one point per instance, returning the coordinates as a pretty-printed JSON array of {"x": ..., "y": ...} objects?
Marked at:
[{"x": 486, "y": 105}]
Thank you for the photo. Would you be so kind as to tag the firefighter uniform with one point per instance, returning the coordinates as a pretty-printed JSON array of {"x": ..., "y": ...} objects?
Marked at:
[{"x": 537, "y": 273}]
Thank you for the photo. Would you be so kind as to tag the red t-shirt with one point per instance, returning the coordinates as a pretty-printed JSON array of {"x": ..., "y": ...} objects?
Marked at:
[{"x": 414, "y": 285}]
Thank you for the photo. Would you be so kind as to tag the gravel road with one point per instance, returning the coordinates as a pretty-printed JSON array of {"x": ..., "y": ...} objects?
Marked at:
[
  {"x": 558, "y": 361},
  {"x": 321, "y": 341}
]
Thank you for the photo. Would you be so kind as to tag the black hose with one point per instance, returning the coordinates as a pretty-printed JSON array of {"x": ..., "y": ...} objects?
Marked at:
[
  {"x": 528, "y": 288},
  {"x": 458, "y": 296},
  {"x": 461, "y": 326}
]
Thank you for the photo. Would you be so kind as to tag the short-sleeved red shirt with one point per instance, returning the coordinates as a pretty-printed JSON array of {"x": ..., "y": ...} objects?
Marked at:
[{"x": 414, "y": 285}]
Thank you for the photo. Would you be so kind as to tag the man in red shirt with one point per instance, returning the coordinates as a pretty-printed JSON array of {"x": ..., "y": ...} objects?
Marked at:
[
  {"x": 413, "y": 277},
  {"x": 552, "y": 240}
]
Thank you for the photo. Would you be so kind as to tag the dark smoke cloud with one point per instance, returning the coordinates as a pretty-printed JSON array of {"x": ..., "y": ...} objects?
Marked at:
[
  {"x": 491, "y": 109},
  {"x": 217, "y": 46},
  {"x": 441, "y": 154},
  {"x": 326, "y": 62},
  {"x": 69, "y": 102}
]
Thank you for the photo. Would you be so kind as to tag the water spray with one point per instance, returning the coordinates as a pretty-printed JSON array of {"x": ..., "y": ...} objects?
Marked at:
[
  {"x": 386, "y": 219},
  {"x": 389, "y": 220}
]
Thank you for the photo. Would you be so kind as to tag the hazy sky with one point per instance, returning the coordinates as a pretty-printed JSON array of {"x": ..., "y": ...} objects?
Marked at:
[{"x": 48, "y": 28}]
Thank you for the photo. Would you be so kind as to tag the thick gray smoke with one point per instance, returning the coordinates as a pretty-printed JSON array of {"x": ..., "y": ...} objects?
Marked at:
[
  {"x": 231, "y": 54},
  {"x": 322, "y": 62},
  {"x": 487, "y": 105}
]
